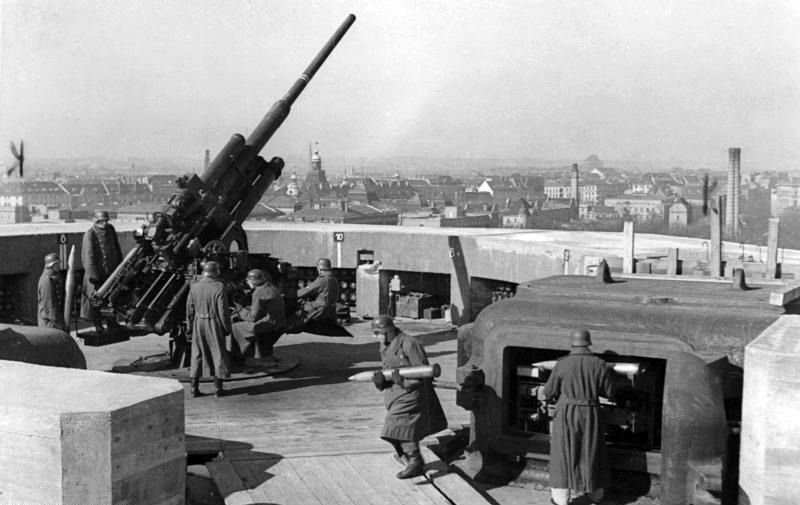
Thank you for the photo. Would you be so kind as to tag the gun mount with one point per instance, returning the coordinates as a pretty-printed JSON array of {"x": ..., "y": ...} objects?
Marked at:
[{"x": 202, "y": 220}]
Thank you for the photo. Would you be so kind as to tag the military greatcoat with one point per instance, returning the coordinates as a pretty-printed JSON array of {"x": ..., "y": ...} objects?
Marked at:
[
  {"x": 100, "y": 254},
  {"x": 208, "y": 321},
  {"x": 414, "y": 412},
  {"x": 266, "y": 317},
  {"x": 324, "y": 293},
  {"x": 51, "y": 300},
  {"x": 578, "y": 459}
]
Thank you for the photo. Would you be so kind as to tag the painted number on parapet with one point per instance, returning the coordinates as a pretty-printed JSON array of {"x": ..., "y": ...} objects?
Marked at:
[{"x": 338, "y": 236}]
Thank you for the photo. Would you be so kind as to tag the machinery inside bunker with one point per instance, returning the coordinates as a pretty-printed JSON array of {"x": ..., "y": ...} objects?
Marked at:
[
  {"x": 632, "y": 421},
  {"x": 675, "y": 347}
]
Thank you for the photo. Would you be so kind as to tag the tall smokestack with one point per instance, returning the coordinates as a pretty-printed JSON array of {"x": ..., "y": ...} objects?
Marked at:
[
  {"x": 574, "y": 181},
  {"x": 734, "y": 160},
  {"x": 207, "y": 160},
  {"x": 730, "y": 189},
  {"x": 735, "y": 154}
]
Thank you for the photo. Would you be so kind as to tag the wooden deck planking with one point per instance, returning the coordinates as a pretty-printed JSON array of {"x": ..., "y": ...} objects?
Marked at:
[
  {"x": 357, "y": 487},
  {"x": 322, "y": 483},
  {"x": 287, "y": 483},
  {"x": 312, "y": 484},
  {"x": 293, "y": 485},
  {"x": 229, "y": 484},
  {"x": 382, "y": 469},
  {"x": 255, "y": 475},
  {"x": 451, "y": 484},
  {"x": 361, "y": 464}
]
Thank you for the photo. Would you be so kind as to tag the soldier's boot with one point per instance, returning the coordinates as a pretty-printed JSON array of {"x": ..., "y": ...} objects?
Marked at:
[
  {"x": 218, "y": 386},
  {"x": 196, "y": 387},
  {"x": 414, "y": 467}
]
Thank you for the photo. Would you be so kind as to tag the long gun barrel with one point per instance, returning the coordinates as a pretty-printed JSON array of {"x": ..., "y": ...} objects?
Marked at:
[
  {"x": 279, "y": 110},
  {"x": 205, "y": 215}
]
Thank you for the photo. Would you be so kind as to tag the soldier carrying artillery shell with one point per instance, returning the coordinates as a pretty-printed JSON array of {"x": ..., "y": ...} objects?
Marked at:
[{"x": 414, "y": 411}]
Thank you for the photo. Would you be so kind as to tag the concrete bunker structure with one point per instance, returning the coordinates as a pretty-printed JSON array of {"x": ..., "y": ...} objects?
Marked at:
[
  {"x": 80, "y": 436},
  {"x": 678, "y": 344}
]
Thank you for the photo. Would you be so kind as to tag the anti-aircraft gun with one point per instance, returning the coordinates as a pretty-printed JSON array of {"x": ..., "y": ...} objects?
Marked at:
[{"x": 202, "y": 221}]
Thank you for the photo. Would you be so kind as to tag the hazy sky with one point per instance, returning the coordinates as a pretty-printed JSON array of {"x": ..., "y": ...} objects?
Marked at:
[{"x": 668, "y": 81}]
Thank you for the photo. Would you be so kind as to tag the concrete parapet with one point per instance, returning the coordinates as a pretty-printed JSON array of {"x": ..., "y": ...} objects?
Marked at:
[
  {"x": 79, "y": 436},
  {"x": 769, "y": 458}
]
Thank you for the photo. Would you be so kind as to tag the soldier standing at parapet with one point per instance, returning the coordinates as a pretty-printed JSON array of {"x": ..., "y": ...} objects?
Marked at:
[
  {"x": 263, "y": 323},
  {"x": 100, "y": 254},
  {"x": 51, "y": 294},
  {"x": 578, "y": 459},
  {"x": 414, "y": 411},
  {"x": 207, "y": 323},
  {"x": 323, "y": 292}
]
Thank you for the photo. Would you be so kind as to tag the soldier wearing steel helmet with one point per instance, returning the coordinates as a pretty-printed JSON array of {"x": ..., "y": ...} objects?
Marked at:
[
  {"x": 51, "y": 294},
  {"x": 413, "y": 408},
  {"x": 208, "y": 321},
  {"x": 100, "y": 254},
  {"x": 262, "y": 323},
  {"x": 578, "y": 459},
  {"x": 322, "y": 295}
]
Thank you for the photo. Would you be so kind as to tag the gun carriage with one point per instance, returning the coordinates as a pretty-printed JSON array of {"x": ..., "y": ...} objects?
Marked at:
[{"x": 203, "y": 221}]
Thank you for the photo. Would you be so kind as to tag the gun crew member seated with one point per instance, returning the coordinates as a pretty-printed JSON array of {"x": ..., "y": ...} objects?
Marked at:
[
  {"x": 51, "y": 294},
  {"x": 259, "y": 326},
  {"x": 207, "y": 322},
  {"x": 322, "y": 294},
  {"x": 413, "y": 408}
]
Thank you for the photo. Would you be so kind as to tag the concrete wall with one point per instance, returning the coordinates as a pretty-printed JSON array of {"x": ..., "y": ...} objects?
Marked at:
[
  {"x": 505, "y": 255},
  {"x": 452, "y": 252},
  {"x": 78, "y": 436},
  {"x": 769, "y": 459},
  {"x": 22, "y": 254}
]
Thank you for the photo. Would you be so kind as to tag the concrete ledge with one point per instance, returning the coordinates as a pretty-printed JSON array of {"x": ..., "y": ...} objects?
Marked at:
[
  {"x": 79, "y": 436},
  {"x": 789, "y": 293},
  {"x": 769, "y": 458}
]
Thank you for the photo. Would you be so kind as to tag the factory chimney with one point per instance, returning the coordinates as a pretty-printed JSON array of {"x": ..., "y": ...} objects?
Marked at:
[
  {"x": 734, "y": 182},
  {"x": 207, "y": 160},
  {"x": 575, "y": 193}
]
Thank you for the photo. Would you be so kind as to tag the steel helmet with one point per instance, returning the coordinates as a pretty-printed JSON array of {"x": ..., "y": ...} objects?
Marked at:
[
  {"x": 257, "y": 277},
  {"x": 211, "y": 269},
  {"x": 324, "y": 264},
  {"x": 581, "y": 338},
  {"x": 382, "y": 324},
  {"x": 101, "y": 215},
  {"x": 51, "y": 259}
]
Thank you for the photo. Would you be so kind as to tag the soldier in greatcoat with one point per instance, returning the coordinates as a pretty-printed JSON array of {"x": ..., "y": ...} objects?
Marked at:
[
  {"x": 208, "y": 321},
  {"x": 264, "y": 321},
  {"x": 100, "y": 254},
  {"x": 414, "y": 411},
  {"x": 578, "y": 459},
  {"x": 323, "y": 294},
  {"x": 51, "y": 294}
]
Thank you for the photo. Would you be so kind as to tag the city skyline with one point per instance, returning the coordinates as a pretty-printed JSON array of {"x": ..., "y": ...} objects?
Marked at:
[{"x": 672, "y": 84}]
